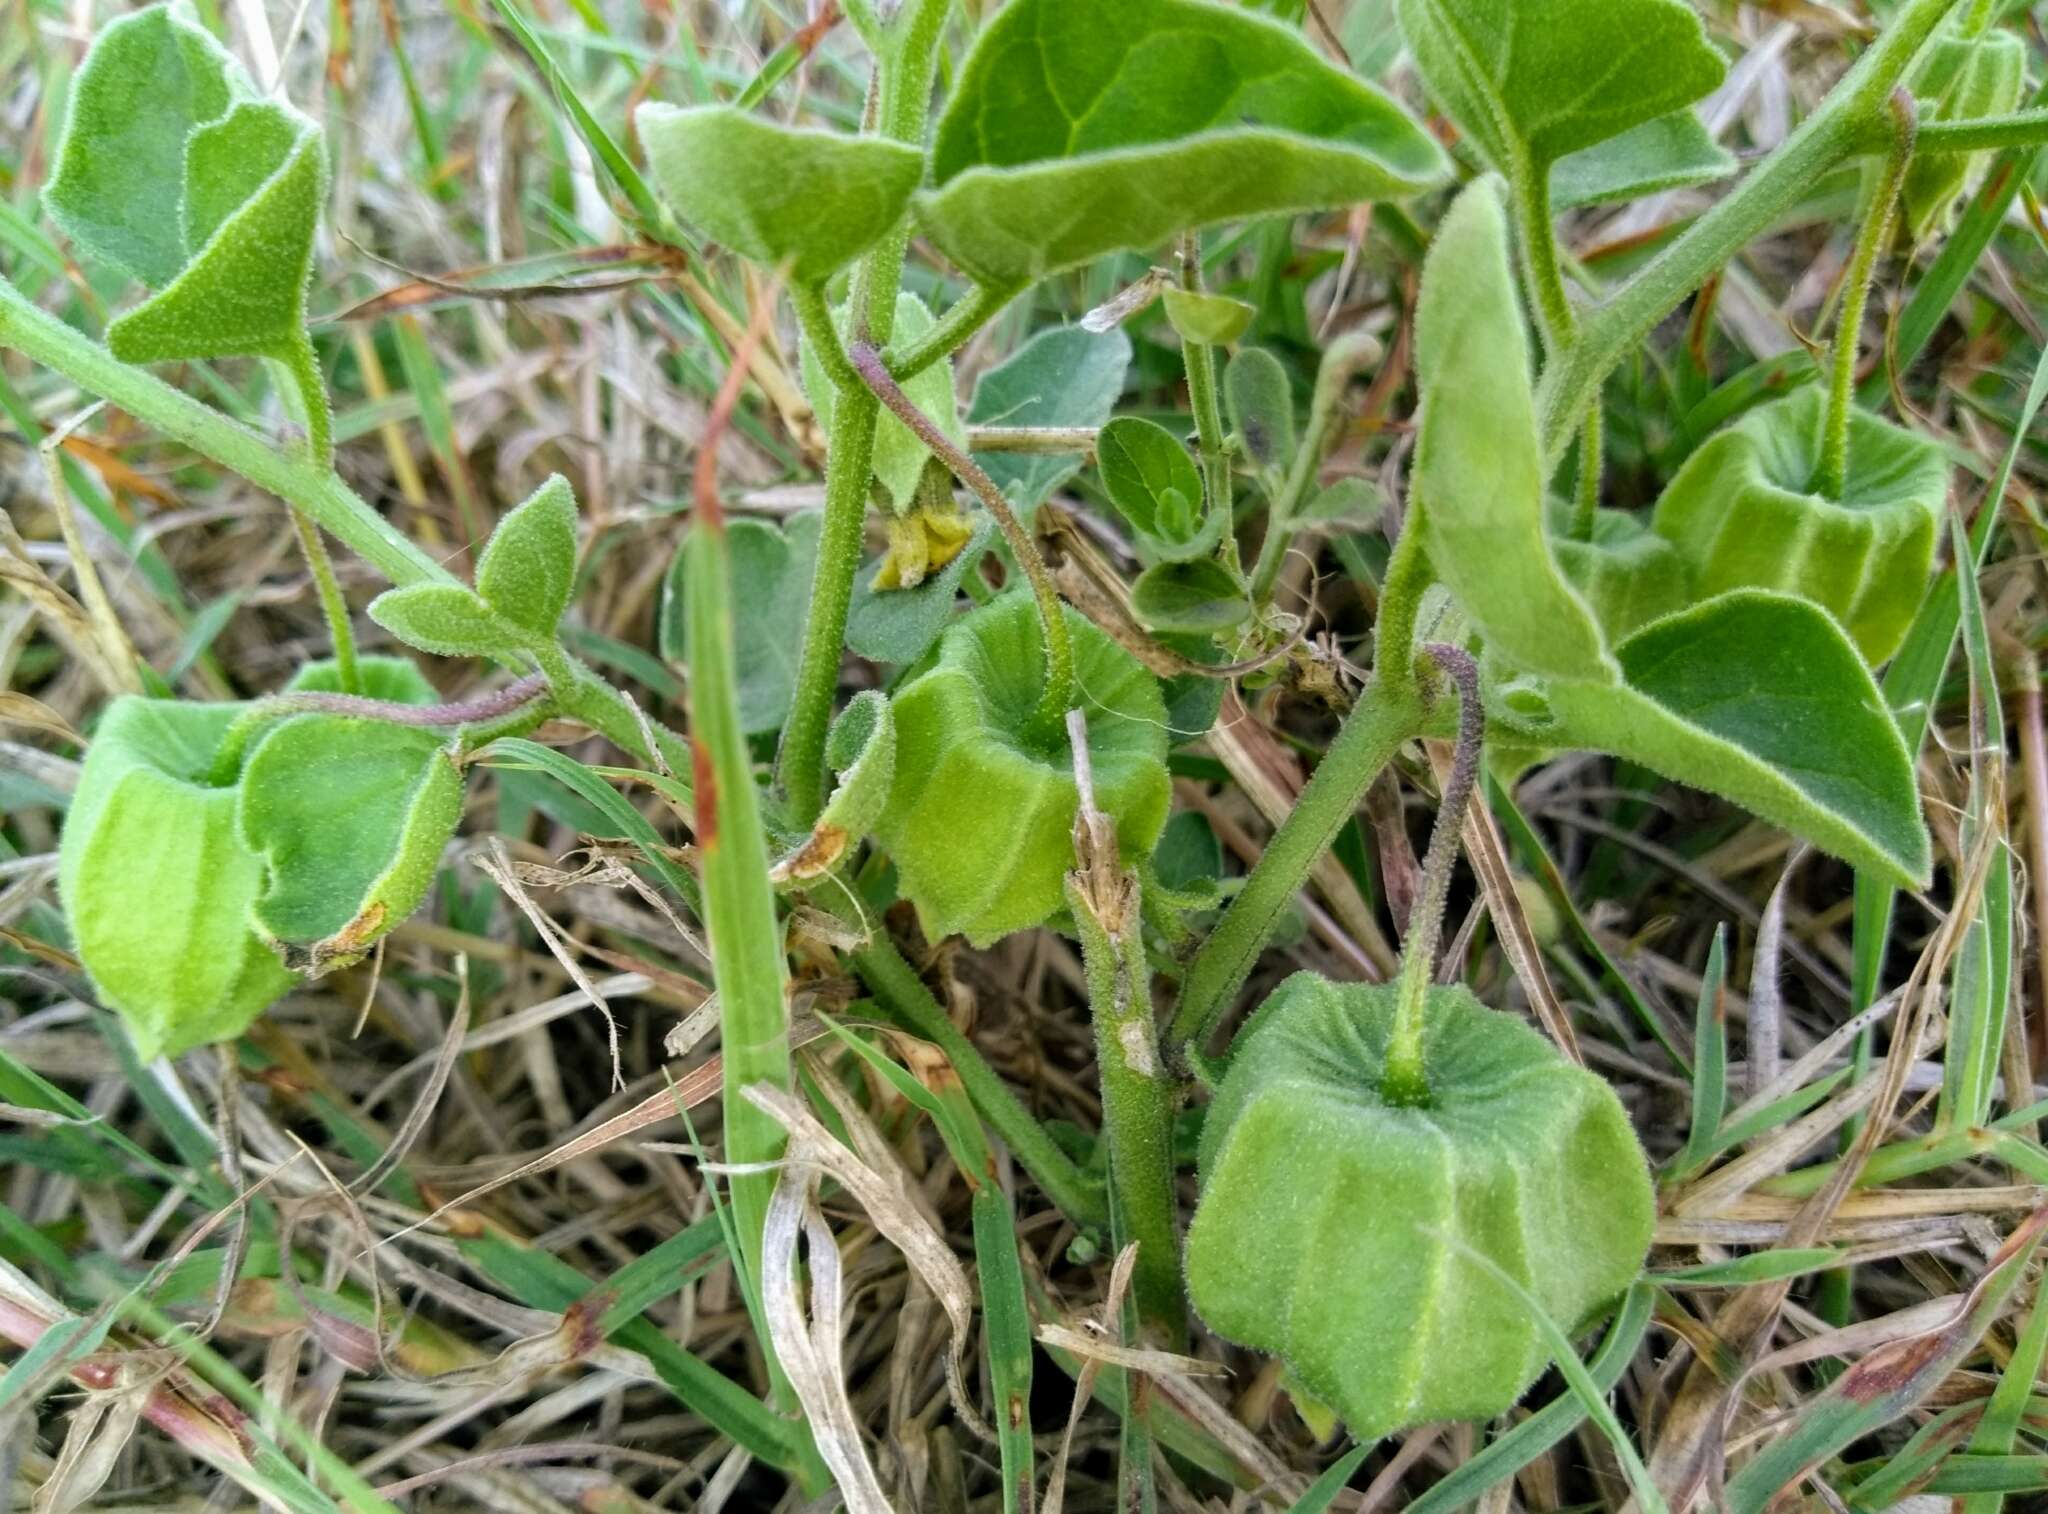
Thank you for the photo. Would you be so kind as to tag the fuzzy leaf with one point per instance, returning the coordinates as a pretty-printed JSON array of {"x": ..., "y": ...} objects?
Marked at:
[
  {"x": 528, "y": 567},
  {"x": 447, "y": 620},
  {"x": 1334, "y": 1226},
  {"x": 899, "y": 456},
  {"x": 157, "y": 883},
  {"x": 980, "y": 818},
  {"x": 395, "y": 679},
  {"x": 1066, "y": 376},
  {"x": 1627, "y": 574},
  {"x": 1528, "y": 81},
  {"x": 1958, "y": 78},
  {"x": 899, "y": 625},
  {"x": 118, "y": 185},
  {"x": 1478, "y": 459},
  {"x": 1671, "y": 152},
  {"x": 1743, "y": 514},
  {"x": 1198, "y": 597},
  {"x": 1155, "y": 486},
  {"x": 1215, "y": 320},
  {"x": 1261, "y": 404},
  {"x": 350, "y": 817},
  {"x": 771, "y": 597},
  {"x": 862, "y": 751},
  {"x": 771, "y": 192},
  {"x": 1079, "y": 128},
  {"x": 1760, "y": 698}
]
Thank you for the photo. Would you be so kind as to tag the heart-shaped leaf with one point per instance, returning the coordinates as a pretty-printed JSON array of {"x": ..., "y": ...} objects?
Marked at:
[
  {"x": 1671, "y": 152},
  {"x": 1261, "y": 405},
  {"x": 1627, "y": 574},
  {"x": 771, "y": 597},
  {"x": 1478, "y": 460},
  {"x": 899, "y": 625},
  {"x": 1080, "y": 128},
  {"x": 1067, "y": 376},
  {"x": 1155, "y": 486},
  {"x": 1215, "y": 320},
  {"x": 1195, "y": 597},
  {"x": 528, "y": 567},
  {"x": 350, "y": 817},
  {"x": 157, "y": 882},
  {"x": 1760, "y": 698},
  {"x": 899, "y": 456},
  {"x": 1528, "y": 81},
  {"x": 447, "y": 620},
  {"x": 396, "y": 680},
  {"x": 816, "y": 198}
]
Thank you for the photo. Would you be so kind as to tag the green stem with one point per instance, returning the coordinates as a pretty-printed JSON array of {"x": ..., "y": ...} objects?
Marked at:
[
  {"x": 331, "y": 504},
  {"x": 1200, "y": 359},
  {"x": 1342, "y": 360},
  {"x": 487, "y": 711},
  {"x": 1389, "y": 711},
  {"x": 1871, "y": 238},
  {"x": 1405, "y": 1079},
  {"x": 302, "y": 368},
  {"x": 954, "y": 330},
  {"x": 1839, "y": 127},
  {"x": 1058, "y": 695},
  {"x": 584, "y": 697},
  {"x": 2022, "y": 128},
  {"x": 1536, "y": 231},
  {"x": 1408, "y": 574},
  {"x": 901, "y": 995},
  {"x": 1586, "y": 502},
  {"x": 815, "y": 316},
  {"x": 333, "y": 604}
]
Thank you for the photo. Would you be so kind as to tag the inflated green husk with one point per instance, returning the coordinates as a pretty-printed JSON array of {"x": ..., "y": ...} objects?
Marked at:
[
  {"x": 158, "y": 883},
  {"x": 1333, "y": 1226},
  {"x": 980, "y": 817},
  {"x": 1741, "y": 511}
]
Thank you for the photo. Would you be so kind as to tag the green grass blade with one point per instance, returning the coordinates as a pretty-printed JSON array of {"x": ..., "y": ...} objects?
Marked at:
[{"x": 1709, "y": 1061}]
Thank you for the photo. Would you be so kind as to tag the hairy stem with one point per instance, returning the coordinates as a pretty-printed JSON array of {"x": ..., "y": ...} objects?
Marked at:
[
  {"x": 1537, "y": 233},
  {"x": 491, "y": 707},
  {"x": 815, "y": 316},
  {"x": 1058, "y": 695},
  {"x": 1342, "y": 360},
  {"x": 333, "y": 605},
  {"x": 954, "y": 330},
  {"x": 1389, "y": 711},
  {"x": 1406, "y": 1078},
  {"x": 1586, "y": 501},
  {"x": 302, "y": 370},
  {"x": 1200, "y": 359},
  {"x": 1839, "y": 127},
  {"x": 1408, "y": 574},
  {"x": 2023, "y": 128},
  {"x": 1871, "y": 238},
  {"x": 317, "y": 490}
]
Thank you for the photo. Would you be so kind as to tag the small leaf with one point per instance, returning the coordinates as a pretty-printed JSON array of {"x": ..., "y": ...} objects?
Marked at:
[
  {"x": 1478, "y": 460},
  {"x": 157, "y": 883},
  {"x": 862, "y": 751},
  {"x": 1066, "y": 376},
  {"x": 1760, "y": 698},
  {"x": 1627, "y": 574},
  {"x": 1078, "y": 129},
  {"x": 899, "y": 625},
  {"x": 528, "y": 567},
  {"x": 1743, "y": 514},
  {"x": 899, "y": 456},
  {"x": 118, "y": 185},
  {"x": 1214, "y": 320},
  {"x": 771, "y": 598},
  {"x": 397, "y": 680},
  {"x": 254, "y": 184},
  {"x": 1261, "y": 403},
  {"x": 1155, "y": 486},
  {"x": 1671, "y": 152},
  {"x": 1355, "y": 504},
  {"x": 447, "y": 620},
  {"x": 1529, "y": 81},
  {"x": 771, "y": 192},
  {"x": 1198, "y": 596},
  {"x": 350, "y": 817}
]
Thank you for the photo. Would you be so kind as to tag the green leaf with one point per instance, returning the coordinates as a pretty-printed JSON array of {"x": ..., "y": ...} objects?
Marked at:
[
  {"x": 1760, "y": 698},
  {"x": 1079, "y": 129},
  {"x": 1155, "y": 486},
  {"x": 1671, "y": 152},
  {"x": 1958, "y": 78},
  {"x": 528, "y": 567},
  {"x": 1199, "y": 596},
  {"x": 1529, "y": 81},
  {"x": 350, "y": 817},
  {"x": 1478, "y": 461},
  {"x": 1214, "y": 320},
  {"x": 862, "y": 751},
  {"x": 396, "y": 680},
  {"x": 447, "y": 620},
  {"x": 119, "y": 181},
  {"x": 1351, "y": 504},
  {"x": 157, "y": 883},
  {"x": 1627, "y": 574},
  {"x": 773, "y": 193},
  {"x": 1337, "y": 1229},
  {"x": 1261, "y": 403},
  {"x": 771, "y": 587},
  {"x": 1067, "y": 376},
  {"x": 1743, "y": 513},
  {"x": 899, "y": 625},
  {"x": 899, "y": 456}
]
